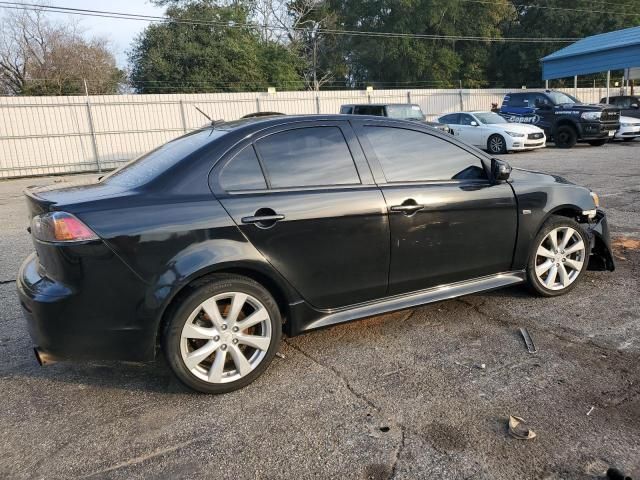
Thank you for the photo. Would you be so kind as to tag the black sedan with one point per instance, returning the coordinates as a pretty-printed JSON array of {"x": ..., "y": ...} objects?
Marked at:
[{"x": 213, "y": 245}]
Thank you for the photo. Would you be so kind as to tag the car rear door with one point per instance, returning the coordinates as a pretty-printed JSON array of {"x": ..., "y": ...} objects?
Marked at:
[
  {"x": 448, "y": 221},
  {"x": 316, "y": 215}
]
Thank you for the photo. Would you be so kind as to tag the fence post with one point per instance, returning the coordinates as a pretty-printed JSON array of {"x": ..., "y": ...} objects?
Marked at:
[
  {"x": 408, "y": 97},
  {"x": 317, "y": 104},
  {"x": 460, "y": 94},
  {"x": 92, "y": 131},
  {"x": 257, "y": 104},
  {"x": 183, "y": 115}
]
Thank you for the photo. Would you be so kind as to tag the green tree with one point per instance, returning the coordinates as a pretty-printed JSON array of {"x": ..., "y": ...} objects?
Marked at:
[
  {"x": 575, "y": 19},
  {"x": 218, "y": 53},
  {"x": 400, "y": 61}
]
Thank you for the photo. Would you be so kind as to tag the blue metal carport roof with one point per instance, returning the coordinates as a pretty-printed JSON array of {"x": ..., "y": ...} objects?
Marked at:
[{"x": 599, "y": 53}]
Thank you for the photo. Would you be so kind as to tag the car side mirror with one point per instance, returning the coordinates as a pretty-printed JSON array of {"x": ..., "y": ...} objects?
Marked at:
[
  {"x": 500, "y": 170},
  {"x": 474, "y": 123},
  {"x": 634, "y": 105}
]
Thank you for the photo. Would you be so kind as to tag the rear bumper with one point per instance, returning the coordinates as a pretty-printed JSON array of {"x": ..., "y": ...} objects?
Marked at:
[
  {"x": 65, "y": 323},
  {"x": 601, "y": 254}
]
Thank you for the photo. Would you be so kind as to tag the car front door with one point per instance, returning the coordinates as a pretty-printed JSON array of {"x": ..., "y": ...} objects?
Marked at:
[
  {"x": 316, "y": 215},
  {"x": 449, "y": 222},
  {"x": 470, "y": 130}
]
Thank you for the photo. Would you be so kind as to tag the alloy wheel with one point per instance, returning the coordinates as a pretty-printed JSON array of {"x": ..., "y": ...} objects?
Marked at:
[
  {"x": 496, "y": 144},
  {"x": 226, "y": 337},
  {"x": 560, "y": 258}
]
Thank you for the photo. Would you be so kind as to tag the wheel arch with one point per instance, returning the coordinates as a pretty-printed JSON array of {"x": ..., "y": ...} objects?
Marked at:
[
  {"x": 566, "y": 122},
  {"x": 282, "y": 293}
]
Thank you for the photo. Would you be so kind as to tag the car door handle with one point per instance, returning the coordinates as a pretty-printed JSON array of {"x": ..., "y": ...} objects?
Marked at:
[
  {"x": 263, "y": 218},
  {"x": 407, "y": 209}
]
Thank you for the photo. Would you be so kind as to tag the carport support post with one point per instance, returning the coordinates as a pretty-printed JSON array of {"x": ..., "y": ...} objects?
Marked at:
[
  {"x": 575, "y": 86},
  {"x": 546, "y": 84},
  {"x": 608, "y": 84}
]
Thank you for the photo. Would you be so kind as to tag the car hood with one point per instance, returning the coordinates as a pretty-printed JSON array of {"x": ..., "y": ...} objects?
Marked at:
[
  {"x": 516, "y": 127},
  {"x": 586, "y": 107},
  {"x": 633, "y": 120}
]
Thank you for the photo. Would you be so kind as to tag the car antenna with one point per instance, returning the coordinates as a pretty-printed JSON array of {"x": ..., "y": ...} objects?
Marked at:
[{"x": 213, "y": 122}]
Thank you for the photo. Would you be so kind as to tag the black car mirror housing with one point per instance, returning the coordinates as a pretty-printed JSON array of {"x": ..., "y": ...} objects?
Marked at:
[{"x": 500, "y": 170}]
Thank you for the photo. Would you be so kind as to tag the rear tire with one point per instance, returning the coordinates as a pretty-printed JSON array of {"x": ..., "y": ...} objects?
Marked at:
[
  {"x": 496, "y": 144},
  {"x": 565, "y": 137},
  {"x": 222, "y": 335},
  {"x": 559, "y": 256},
  {"x": 598, "y": 143}
]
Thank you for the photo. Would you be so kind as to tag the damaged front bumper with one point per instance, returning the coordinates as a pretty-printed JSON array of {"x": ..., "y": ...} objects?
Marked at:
[{"x": 601, "y": 254}]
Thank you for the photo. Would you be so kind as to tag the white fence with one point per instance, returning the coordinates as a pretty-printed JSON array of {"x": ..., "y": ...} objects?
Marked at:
[{"x": 53, "y": 135}]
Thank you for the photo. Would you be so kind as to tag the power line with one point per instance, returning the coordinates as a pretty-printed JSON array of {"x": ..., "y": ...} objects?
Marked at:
[
  {"x": 360, "y": 33},
  {"x": 563, "y": 9}
]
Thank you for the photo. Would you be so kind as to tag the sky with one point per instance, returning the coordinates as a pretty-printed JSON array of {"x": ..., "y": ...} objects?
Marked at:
[{"x": 120, "y": 32}]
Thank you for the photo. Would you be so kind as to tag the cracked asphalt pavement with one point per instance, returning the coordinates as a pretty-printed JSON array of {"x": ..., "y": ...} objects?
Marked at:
[{"x": 401, "y": 396}]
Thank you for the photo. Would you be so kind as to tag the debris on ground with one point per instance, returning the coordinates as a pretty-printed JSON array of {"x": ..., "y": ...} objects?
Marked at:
[
  {"x": 590, "y": 410},
  {"x": 528, "y": 341},
  {"x": 280, "y": 355},
  {"x": 622, "y": 244},
  {"x": 519, "y": 430},
  {"x": 481, "y": 366}
]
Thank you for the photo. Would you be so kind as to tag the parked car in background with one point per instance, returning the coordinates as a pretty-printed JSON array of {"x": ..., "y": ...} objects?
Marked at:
[
  {"x": 492, "y": 132},
  {"x": 629, "y": 129},
  {"x": 399, "y": 111},
  {"x": 564, "y": 119},
  {"x": 629, "y": 105},
  {"x": 211, "y": 246}
]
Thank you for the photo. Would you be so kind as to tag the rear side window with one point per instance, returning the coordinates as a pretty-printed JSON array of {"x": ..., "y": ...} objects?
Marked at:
[
  {"x": 376, "y": 110},
  {"x": 407, "y": 155},
  {"x": 515, "y": 100},
  {"x": 243, "y": 172},
  {"x": 346, "y": 110},
  {"x": 306, "y": 157}
]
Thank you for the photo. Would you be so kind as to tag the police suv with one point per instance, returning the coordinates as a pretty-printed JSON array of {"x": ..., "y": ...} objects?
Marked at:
[{"x": 564, "y": 119}]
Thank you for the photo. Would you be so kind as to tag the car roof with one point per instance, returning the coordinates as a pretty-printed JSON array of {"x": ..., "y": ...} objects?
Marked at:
[{"x": 379, "y": 104}]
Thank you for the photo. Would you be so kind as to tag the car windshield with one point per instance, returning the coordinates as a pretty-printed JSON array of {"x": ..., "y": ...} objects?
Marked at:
[
  {"x": 490, "y": 118},
  {"x": 405, "y": 112},
  {"x": 559, "y": 98},
  {"x": 145, "y": 168}
]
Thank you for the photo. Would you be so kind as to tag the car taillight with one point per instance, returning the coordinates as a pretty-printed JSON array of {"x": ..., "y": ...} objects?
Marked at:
[{"x": 60, "y": 227}]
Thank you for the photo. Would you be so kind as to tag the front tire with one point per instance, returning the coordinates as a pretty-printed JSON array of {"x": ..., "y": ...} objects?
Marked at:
[
  {"x": 496, "y": 144},
  {"x": 565, "y": 137},
  {"x": 598, "y": 143},
  {"x": 222, "y": 335},
  {"x": 558, "y": 258}
]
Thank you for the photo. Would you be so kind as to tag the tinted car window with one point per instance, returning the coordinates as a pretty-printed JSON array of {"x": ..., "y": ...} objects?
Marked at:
[
  {"x": 346, "y": 110},
  {"x": 407, "y": 155},
  {"x": 243, "y": 172},
  {"x": 466, "y": 119},
  {"x": 369, "y": 110},
  {"x": 317, "y": 156},
  {"x": 515, "y": 100},
  {"x": 452, "y": 118}
]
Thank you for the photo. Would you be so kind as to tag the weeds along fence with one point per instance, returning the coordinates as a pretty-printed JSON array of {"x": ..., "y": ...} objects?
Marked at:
[{"x": 55, "y": 135}]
